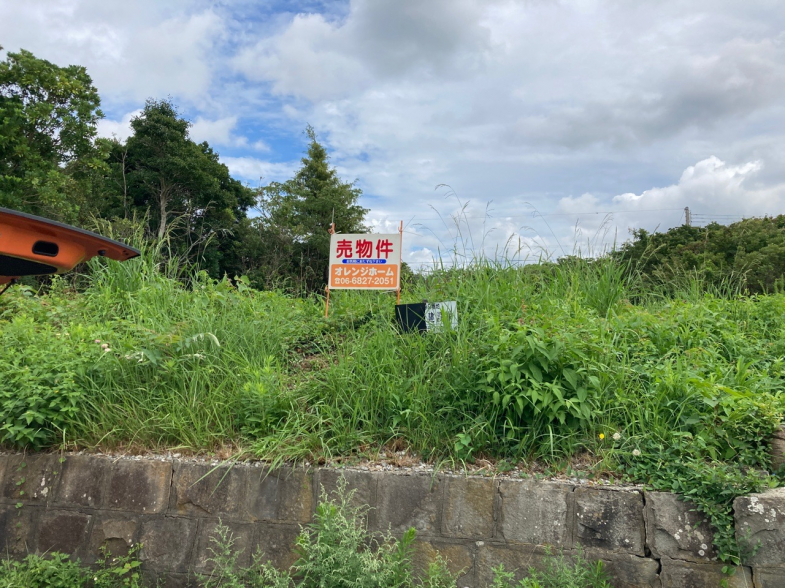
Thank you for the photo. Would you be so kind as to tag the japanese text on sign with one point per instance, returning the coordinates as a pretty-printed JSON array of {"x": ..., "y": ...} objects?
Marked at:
[{"x": 365, "y": 261}]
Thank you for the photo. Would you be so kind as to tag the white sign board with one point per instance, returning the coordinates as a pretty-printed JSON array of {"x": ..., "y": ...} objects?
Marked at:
[
  {"x": 365, "y": 262},
  {"x": 437, "y": 313}
]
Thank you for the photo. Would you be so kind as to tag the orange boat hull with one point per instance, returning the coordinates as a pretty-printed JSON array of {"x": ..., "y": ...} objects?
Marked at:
[{"x": 33, "y": 246}]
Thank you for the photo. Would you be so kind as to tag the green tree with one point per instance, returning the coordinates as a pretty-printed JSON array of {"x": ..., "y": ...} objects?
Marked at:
[
  {"x": 292, "y": 234},
  {"x": 183, "y": 187},
  {"x": 48, "y": 155},
  {"x": 748, "y": 255}
]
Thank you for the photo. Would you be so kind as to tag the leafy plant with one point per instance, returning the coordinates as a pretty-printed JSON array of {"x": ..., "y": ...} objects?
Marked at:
[
  {"x": 336, "y": 550},
  {"x": 559, "y": 572},
  {"x": 58, "y": 570}
]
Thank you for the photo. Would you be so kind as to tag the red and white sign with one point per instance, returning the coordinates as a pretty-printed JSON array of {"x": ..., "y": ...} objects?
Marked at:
[{"x": 365, "y": 262}]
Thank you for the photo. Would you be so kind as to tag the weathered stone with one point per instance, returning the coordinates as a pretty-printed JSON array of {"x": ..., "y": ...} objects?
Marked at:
[
  {"x": 16, "y": 530},
  {"x": 30, "y": 478},
  {"x": 517, "y": 559},
  {"x": 675, "y": 530},
  {"x": 139, "y": 486},
  {"x": 362, "y": 484},
  {"x": 82, "y": 481},
  {"x": 202, "y": 490},
  {"x": 468, "y": 507},
  {"x": 626, "y": 570},
  {"x": 610, "y": 519},
  {"x": 403, "y": 502},
  {"x": 3, "y": 460},
  {"x": 167, "y": 543},
  {"x": 169, "y": 580},
  {"x": 276, "y": 544},
  {"x": 114, "y": 534},
  {"x": 777, "y": 448},
  {"x": 63, "y": 531},
  {"x": 458, "y": 556},
  {"x": 760, "y": 527},
  {"x": 283, "y": 494},
  {"x": 769, "y": 577},
  {"x": 240, "y": 537},
  {"x": 685, "y": 574},
  {"x": 538, "y": 513}
]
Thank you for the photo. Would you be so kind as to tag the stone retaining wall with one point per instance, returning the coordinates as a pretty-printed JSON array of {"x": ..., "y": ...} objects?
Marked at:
[{"x": 77, "y": 504}]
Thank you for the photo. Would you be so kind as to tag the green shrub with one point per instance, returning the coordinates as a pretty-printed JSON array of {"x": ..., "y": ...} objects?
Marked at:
[
  {"x": 559, "y": 572},
  {"x": 57, "y": 570},
  {"x": 335, "y": 551}
]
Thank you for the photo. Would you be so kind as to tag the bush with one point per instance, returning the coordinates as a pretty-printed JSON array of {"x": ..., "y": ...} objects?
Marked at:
[
  {"x": 336, "y": 550},
  {"x": 57, "y": 570},
  {"x": 560, "y": 572}
]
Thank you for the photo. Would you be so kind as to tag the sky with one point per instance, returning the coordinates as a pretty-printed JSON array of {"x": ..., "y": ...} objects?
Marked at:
[{"x": 498, "y": 128}]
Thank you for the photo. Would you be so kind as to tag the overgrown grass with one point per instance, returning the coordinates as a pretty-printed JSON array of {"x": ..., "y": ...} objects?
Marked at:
[{"x": 548, "y": 361}]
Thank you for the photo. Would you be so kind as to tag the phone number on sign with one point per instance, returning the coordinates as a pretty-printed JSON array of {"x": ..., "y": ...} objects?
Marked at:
[{"x": 364, "y": 281}]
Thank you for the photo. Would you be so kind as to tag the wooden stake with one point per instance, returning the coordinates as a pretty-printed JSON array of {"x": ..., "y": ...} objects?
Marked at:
[
  {"x": 327, "y": 288},
  {"x": 400, "y": 265}
]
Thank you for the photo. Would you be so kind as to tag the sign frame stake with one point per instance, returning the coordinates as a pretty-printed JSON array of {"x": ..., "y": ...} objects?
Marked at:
[{"x": 327, "y": 287}]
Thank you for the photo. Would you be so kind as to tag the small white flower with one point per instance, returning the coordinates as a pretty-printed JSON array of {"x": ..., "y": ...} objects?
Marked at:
[
  {"x": 104, "y": 346},
  {"x": 106, "y": 349},
  {"x": 636, "y": 452},
  {"x": 616, "y": 436},
  {"x": 97, "y": 340}
]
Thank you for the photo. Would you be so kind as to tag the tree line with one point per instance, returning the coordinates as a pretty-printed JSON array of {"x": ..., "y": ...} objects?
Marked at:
[{"x": 53, "y": 164}]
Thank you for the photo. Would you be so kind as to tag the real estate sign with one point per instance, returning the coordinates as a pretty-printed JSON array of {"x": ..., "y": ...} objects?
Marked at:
[{"x": 365, "y": 262}]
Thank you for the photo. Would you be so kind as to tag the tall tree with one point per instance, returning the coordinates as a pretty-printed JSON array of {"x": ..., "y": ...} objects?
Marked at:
[
  {"x": 48, "y": 117},
  {"x": 296, "y": 217},
  {"x": 189, "y": 194}
]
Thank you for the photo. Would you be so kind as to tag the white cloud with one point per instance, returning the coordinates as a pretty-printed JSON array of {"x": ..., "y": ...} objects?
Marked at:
[
  {"x": 118, "y": 129},
  {"x": 712, "y": 189},
  {"x": 133, "y": 50},
  {"x": 252, "y": 169}
]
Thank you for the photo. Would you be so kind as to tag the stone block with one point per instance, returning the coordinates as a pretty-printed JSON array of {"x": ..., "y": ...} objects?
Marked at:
[
  {"x": 167, "y": 543},
  {"x": 82, "y": 481},
  {"x": 459, "y": 557},
  {"x": 139, "y": 486},
  {"x": 363, "y": 484},
  {"x": 239, "y": 538},
  {"x": 610, "y": 519},
  {"x": 405, "y": 501},
  {"x": 686, "y": 574},
  {"x": 4, "y": 457},
  {"x": 203, "y": 490},
  {"x": 760, "y": 527},
  {"x": 63, "y": 531},
  {"x": 517, "y": 559},
  {"x": 275, "y": 544},
  {"x": 468, "y": 507},
  {"x": 676, "y": 530},
  {"x": 17, "y": 530},
  {"x": 30, "y": 478},
  {"x": 626, "y": 570},
  {"x": 768, "y": 577},
  {"x": 116, "y": 534},
  {"x": 283, "y": 494},
  {"x": 536, "y": 513},
  {"x": 777, "y": 448},
  {"x": 169, "y": 579}
]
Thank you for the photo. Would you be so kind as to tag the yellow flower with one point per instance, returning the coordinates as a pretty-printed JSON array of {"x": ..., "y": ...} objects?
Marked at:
[{"x": 602, "y": 436}]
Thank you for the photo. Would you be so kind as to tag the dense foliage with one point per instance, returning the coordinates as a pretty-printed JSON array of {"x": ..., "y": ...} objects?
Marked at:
[
  {"x": 663, "y": 362},
  {"x": 747, "y": 256},
  {"x": 52, "y": 164},
  {"x": 547, "y": 362}
]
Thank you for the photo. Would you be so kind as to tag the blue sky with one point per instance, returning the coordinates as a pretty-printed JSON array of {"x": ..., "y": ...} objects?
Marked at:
[{"x": 542, "y": 117}]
